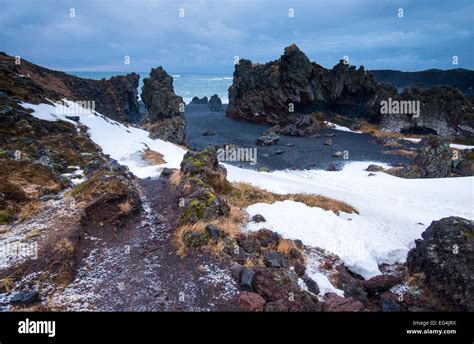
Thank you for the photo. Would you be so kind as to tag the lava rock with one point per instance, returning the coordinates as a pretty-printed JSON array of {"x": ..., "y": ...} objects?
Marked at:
[
  {"x": 258, "y": 218},
  {"x": 328, "y": 142},
  {"x": 374, "y": 168},
  {"x": 246, "y": 277},
  {"x": 251, "y": 302},
  {"x": 215, "y": 103},
  {"x": 380, "y": 283},
  {"x": 445, "y": 256},
  {"x": 195, "y": 239},
  {"x": 214, "y": 232},
  {"x": 311, "y": 284},
  {"x": 273, "y": 260},
  {"x": 268, "y": 140},
  {"x": 336, "y": 303},
  {"x": 24, "y": 298}
]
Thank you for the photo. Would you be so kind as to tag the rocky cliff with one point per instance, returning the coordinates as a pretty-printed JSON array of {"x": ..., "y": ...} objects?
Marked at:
[
  {"x": 115, "y": 98},
  {"x": 165, "y": 110},
  {"x": 274, "y": 92}
]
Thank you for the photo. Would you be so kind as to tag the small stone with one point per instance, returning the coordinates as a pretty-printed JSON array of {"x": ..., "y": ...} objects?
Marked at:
[
  {"x": 338, "y": 154},
  {"x": 371, "y": 174},
  {"x": 374, "y": 168},
  {"x": 258, "y": 218},
  {"x": 311, "y": 284},
  {"x": 25, "y": 297},
  {"x": 208, "y": 133},
  {"x": 45, "y": 198},
  {"x": 328, "y": 142},
  {"x": 273, "y": 260},
  {"x": 166, "y": 172},
  {"x": 279, "y": 152},
  {"x": 214, "y": 232},
  {"x": 246, "y": 277}
]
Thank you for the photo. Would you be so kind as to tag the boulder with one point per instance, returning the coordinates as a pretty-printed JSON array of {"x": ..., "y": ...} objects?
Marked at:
[
  {"x": 380, "y": 283},
  {"x": 268, "y": 140},
  {"x": 215, "y": 103},
  {"x": 432, "y": 161},
  {"x": 246, "y": 277},
  {"x": 445, "y": 256}
]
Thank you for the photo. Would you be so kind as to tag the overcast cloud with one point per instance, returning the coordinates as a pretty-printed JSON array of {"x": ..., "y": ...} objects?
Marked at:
[{"x": 211, "y": 33}]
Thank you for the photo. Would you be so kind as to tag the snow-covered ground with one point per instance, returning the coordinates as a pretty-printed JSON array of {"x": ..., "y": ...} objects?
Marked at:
[
  {"x": 123, "y": 143},
  {"x": 452, "y": 145},
  {"x": 393, "y": 212}
]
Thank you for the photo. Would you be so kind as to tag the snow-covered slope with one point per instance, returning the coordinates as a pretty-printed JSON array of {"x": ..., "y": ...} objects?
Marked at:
[
  {"x": 393, "y": 212},
  {"x": 123, "y": 143}
]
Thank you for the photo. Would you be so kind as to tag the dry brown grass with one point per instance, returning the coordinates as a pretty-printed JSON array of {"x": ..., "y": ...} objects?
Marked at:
[
  {"x": 401, "y": 152},
  {"x": 242, "y": 195},
  {"x": 285, "y": 246},
  {"x": 36, "y": 232},
  {"x": 153, "y": 157},
  {"x": 29, "y": 210},
  {"x": 230, "y": 226},
  {"x": 125, "y": 207},
  {"x": 6, "y": 284},
  {"x": 64, "y": 247},
  {"x": 175, "y": 178}
]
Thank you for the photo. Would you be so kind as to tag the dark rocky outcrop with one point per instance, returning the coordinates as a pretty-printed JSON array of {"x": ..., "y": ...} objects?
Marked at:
[
  {"x": 202, "y": 181},
  {"x": 278, "y": 91},
  {"x": 197, "y": 100},
  {"x": 444, "y": 110},
  {"x": 165, "y": 110},
  {"x": 215, "y": 103},
  {"x": 436, "y": 160},
  {"x": 446, "y": 256},
  {"x": 115, "y": 98},
  {"x": 273, "y": 92},
  {"x": 432, "y": 161}
]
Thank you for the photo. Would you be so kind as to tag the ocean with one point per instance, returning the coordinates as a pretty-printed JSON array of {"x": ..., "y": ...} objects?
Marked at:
[{"x": 185, "y": 85}]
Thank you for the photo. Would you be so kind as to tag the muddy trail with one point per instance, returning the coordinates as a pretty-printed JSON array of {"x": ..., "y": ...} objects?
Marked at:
[{"x": 138, "y": 270}]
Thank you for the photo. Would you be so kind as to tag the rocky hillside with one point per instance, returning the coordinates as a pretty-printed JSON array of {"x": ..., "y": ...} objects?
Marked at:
[
  {"x": 116, "y": 98},
  {"x": 462, "y": 79},
  {"x": 279, "y": 91}
]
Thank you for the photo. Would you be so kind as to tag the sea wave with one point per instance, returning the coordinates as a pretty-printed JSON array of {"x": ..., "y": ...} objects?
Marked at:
[{"x": 218, "y": 79}]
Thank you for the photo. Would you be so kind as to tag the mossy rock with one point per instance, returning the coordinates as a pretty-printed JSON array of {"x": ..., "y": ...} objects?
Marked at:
[
  {"x": 6, "y": 217},
  {"x": 195, "y": 239}
]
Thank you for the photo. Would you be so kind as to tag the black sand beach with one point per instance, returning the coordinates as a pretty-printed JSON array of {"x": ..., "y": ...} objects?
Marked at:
[{"x": 307, "y": 153}]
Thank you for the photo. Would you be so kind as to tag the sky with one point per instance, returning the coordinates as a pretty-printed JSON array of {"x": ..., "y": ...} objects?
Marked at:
[{"x": 205, "y": 36}]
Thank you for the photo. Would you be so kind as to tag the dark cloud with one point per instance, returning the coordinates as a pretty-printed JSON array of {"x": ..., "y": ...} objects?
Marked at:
[{"x": 213, "y": 32}]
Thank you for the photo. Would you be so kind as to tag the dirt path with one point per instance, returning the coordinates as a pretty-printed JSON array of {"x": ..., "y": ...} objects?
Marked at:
[{"x": 138, "y": 270}]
